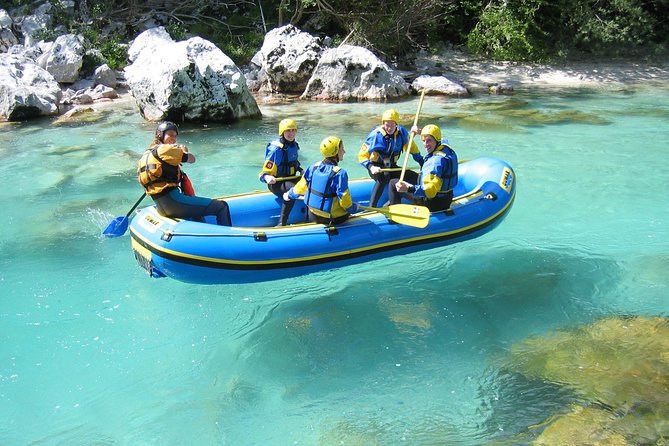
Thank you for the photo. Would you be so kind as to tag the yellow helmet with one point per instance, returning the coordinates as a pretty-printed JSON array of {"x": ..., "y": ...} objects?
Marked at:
[
  {"x": 330, "y": 146},
  {"x": 287, "y": 124},
  {"x": 390, "y": 115},
  {"x": 433, "y": 131}
]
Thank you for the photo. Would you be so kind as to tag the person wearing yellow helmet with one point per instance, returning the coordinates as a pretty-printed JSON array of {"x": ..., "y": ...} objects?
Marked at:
[
  {"x": 159, "y": 172},
  {"x": 281, "y": 167},
  {"x": 381, "y": 150},
  {"x": 324, "y": 186},
  {"x": 438, "y": 175}
]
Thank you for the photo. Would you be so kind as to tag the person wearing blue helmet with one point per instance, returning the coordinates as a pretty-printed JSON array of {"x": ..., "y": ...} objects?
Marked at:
[
  {"x": 438, "y": 175},
  {"x": 281, "y": 166},
  {"x": 324, "y": 186},
  {"x": 381, "y": 150}
]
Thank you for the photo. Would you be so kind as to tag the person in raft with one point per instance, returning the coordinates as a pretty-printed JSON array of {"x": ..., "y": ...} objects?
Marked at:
[
  {"x": 438, "y": 175},
  {"x": 324, "y": 186},
  {"x": 159, "y": 172},
  {"x": 281, "y": 166},
  {"x": 381, "y": 150}
]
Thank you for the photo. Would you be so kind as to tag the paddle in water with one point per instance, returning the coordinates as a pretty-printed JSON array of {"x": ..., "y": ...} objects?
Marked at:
[{"x": 119, "y": 225}]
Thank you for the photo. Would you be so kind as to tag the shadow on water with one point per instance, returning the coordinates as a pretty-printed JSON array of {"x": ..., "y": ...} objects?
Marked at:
[{"x": 423, "y": 346}]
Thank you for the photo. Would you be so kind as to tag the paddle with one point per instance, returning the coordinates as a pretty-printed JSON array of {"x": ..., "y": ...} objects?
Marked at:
[
  {"x": 119, "y": 225},
  {"x": 404, "y": 214},
  {"x": 394, "y": 169},
  {"x": 292, "y": 177},
  {"x": 415, "y": 123}
]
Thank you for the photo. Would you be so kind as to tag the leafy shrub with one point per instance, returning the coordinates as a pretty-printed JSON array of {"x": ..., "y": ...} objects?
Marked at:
[{"x": 506, "y": 33}]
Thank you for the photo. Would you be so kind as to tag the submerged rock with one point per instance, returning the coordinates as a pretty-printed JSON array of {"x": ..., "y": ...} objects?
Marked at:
[{"x": 619, "y": 367}]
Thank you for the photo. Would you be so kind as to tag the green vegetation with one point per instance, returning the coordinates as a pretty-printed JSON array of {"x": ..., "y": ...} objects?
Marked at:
[{"x": 521, "y": 30}]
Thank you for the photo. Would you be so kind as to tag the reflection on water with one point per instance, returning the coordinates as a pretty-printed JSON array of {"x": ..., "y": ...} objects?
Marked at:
[{"x": 417, "y": 349}]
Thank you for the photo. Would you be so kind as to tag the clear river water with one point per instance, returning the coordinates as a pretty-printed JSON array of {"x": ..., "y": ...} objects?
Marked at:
[{"x": 406, "y": 350}]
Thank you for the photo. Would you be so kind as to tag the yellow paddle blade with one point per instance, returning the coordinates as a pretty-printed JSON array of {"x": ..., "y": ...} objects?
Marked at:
[{"x": 404, "y": 214}]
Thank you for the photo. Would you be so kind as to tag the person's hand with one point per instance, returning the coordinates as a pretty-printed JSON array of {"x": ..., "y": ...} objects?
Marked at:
[
  {"x": 286, "y": 197},
  {"x": 270, "y": 179},
  {"x": 374, "y": 170},
  {"x": 415, "y": 130},
  {"x": 183, "y": 147},
  {"x": 402, "y": 186}
]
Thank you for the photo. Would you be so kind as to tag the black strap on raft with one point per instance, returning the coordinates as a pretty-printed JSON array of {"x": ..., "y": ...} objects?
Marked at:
[
  {"x": 330, "y": 231},
  {"x": 260, "y": 236}
]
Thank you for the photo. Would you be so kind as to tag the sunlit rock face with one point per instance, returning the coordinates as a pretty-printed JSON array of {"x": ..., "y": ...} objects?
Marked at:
[
  {"x": 353, "y": 73},
  {"x": 286, "y": 60},
  {"x": 191, "y": 80}
]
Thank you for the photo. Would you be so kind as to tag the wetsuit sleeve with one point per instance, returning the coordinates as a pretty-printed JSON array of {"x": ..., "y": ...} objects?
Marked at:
[
  {"x": 344, "y": 194},
  {"x": 171, "y": 154},
  {"x": 299, "y": 189},
  {"x": 431, "y": 179},
  {"x": 363, "y": 155},
  {"x": 368, "y": 151}
]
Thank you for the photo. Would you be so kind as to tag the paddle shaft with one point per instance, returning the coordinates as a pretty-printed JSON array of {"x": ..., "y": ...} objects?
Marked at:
[
  {"x": 415, "y": 123},
  {"x": 135, "y": 205},
  {"x": 379, "y": 210},
  {"x": 292, "y": 177},
  {"x": 392, "y": 169}
]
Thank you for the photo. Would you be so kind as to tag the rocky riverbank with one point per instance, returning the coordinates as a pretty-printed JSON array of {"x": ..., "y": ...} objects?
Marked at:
[{"x": 477, "y": 73}]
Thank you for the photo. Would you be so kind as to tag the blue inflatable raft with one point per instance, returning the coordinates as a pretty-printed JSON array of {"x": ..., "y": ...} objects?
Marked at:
[{"x": 253, "y": 250}]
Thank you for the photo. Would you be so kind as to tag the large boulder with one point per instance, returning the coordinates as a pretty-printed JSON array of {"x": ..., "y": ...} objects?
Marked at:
[
  {"x": 286, "y": 60},
  {"x": 191, "y": 80},
  {"x": 146, "y": 41},
  {"x": 353, "y": 73},
  {"x": 64, "y": 58},
  {"x": 26, "y": 89}
]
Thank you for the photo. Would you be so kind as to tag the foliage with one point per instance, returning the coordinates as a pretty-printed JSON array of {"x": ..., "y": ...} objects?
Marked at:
[
  {"x": 507, "y": 31},
  {"x": 538, "y": 29},
  {"x": 394, "y": 30},
  {"x": 529, "y": 30}
]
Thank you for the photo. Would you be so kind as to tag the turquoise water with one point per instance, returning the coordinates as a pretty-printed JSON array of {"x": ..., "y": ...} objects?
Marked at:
[{"x": 406, "y": 350}]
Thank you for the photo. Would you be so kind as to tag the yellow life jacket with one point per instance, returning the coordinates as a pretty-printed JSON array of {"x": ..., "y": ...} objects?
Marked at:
[{"x": 154, "y": 174}]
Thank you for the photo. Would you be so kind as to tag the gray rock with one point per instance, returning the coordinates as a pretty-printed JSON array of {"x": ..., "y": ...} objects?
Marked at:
[
  {"x": 349, "y": 73},
  {"x": 191, "y": 80},
  {"x": 26, "y": 90},
  {"x": 500, "y": 88},
  {"x": 32, "y": 25},
  {"x": 7, "y": 36},
  {"x": 286, "y": 60},
  {"x": 104, "y": 75},
  {"x": 64, "y": 59},
  {"x": 439, "y": 85},
  {"x": 152, "y": 38}
]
